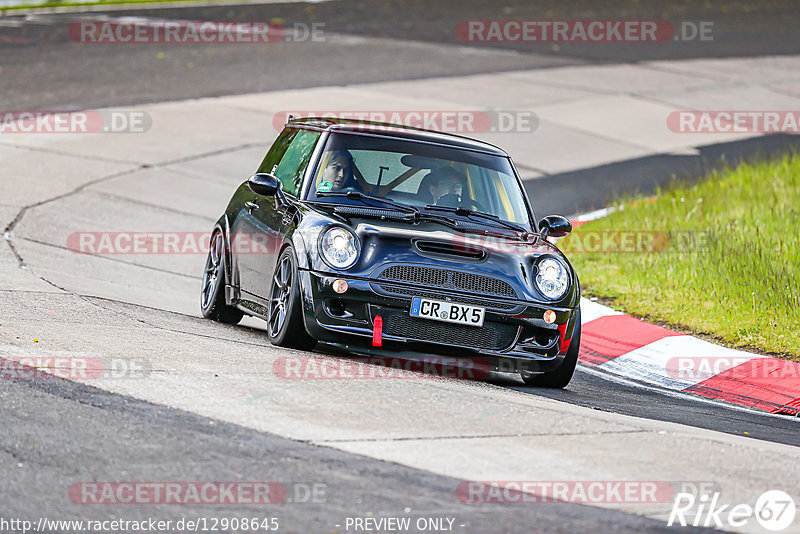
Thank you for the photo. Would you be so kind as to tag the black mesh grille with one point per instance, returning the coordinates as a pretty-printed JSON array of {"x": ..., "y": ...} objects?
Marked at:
[
  {"x": 370, "y": 212},
  {"x": 491, "y": 336},
  {"x": 445, "y": 279},
  {"x": 419, "y": 275},
  {"x": 395, "y": 290},
  {"x": 484, "y": 284}
]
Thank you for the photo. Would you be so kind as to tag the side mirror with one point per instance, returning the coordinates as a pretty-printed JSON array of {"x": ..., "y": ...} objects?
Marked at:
[
  {"x": 555, "y": 226},
  {"x": 264, "y": 184}
]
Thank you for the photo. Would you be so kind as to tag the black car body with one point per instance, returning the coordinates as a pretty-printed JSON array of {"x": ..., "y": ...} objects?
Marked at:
[{"x": 275, "y": 253}]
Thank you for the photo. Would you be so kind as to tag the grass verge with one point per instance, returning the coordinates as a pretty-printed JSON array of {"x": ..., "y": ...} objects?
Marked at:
[{"x": 720, "y": 257}]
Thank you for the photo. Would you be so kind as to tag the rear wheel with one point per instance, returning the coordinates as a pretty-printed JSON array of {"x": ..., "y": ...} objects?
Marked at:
[
  {"x": 212, "y": 296},
  {"x": 285, "y": 326},
  {"x": 560, "y": 377}
]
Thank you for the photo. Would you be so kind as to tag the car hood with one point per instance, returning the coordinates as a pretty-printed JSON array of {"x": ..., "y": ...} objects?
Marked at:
[{"x": 385, "y": 243}]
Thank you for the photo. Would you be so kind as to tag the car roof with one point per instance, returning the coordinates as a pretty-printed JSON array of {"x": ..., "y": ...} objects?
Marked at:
[{"x": 400, "y": 131}]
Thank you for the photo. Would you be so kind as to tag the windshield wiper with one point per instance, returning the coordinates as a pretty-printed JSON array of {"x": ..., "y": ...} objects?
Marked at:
[
  {"x": 447, "y": 221},
  {"x": 413, "y": 211},
  {"x": 357, "y": 195},
  {"x": 466, "y": 212}
]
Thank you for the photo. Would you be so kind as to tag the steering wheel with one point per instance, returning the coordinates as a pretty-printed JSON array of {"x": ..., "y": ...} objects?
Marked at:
[{"x": 474, "y": 203}]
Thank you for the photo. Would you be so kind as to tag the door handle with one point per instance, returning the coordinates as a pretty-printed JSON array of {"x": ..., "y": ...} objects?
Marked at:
[{"x": 251, "y": 206}]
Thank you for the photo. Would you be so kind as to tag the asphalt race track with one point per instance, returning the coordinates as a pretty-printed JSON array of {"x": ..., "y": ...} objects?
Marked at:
[
  {"x": 207, "y": 405},
  {"x": 365, "y": 41}
]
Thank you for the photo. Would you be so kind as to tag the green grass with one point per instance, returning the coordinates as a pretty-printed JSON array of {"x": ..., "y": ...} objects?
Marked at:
[{"x": 728, "y": 267}]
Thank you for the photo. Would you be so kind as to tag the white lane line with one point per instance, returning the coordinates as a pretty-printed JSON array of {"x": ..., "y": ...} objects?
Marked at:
[{"x": 596, "y": 214}]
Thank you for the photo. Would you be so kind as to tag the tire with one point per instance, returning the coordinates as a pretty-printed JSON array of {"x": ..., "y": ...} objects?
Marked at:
[
  {"x": 212, "y": 294},
  {"x": 559, "y": 378},
  {"x": 285, "y": 326}
]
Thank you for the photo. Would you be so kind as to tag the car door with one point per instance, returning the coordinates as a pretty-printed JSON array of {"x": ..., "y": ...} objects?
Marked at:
[
  {"x": 264, "y": 218},
  {"x": 254, "y": 226}
]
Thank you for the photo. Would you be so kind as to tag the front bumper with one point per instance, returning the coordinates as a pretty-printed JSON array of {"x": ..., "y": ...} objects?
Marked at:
[{"x": 514, "y": 336}]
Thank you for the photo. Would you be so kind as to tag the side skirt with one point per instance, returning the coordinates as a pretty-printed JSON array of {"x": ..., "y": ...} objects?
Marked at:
[{"x": 250, "y": 306}]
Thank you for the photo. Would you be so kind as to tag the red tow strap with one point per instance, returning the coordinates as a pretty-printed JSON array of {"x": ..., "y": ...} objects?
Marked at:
[
  {"x": 377, "y": 332},
  {"x": 565, "y": 341}
]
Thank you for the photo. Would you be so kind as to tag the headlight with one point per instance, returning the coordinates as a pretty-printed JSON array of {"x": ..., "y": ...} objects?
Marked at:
[
  {"x": 339, "y": 247},
  {"x": 552, "y": 278}
]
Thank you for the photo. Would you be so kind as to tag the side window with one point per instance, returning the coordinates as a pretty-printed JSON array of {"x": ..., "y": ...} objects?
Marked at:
[
  {"x": 277, "y": 150},
  {"x": 295, "y": 160}
]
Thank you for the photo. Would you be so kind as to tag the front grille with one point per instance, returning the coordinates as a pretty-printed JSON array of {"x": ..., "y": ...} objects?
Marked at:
[
  {"x": 491, "y": 336},
  {"x": 444, "y": 279},
  {"x": 403, "y": 291}
]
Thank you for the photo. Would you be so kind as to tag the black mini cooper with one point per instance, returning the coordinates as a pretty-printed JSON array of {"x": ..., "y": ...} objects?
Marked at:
[{"x": 395, "y": 241}]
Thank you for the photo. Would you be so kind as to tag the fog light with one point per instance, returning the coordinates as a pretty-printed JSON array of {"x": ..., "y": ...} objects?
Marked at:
[
  {"x": 549, "y": 316},
  {"x": 339, "y": 285}
]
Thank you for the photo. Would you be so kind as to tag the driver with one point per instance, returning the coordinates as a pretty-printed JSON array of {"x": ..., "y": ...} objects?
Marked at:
[
  {"x": 339, "y": 172},
  {"x": 446, "y": 181}
]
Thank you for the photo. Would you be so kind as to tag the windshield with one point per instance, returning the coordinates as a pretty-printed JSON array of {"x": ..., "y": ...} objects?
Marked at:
[{"x": 418, "y": 174}]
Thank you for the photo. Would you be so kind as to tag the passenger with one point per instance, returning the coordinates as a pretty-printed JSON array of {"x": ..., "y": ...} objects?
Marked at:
[{"x": 339, "y": 172}]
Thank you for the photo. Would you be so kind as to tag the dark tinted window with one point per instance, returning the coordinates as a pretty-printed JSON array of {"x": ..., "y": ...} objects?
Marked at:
[
  {"x": 277, "y": 150},
  {"x": 295, "y": 160},
  {"x": 419, "y": 174}
]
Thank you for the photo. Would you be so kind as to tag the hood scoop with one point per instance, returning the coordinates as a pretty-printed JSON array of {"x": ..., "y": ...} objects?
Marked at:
[{"x": 460, "y": 251}]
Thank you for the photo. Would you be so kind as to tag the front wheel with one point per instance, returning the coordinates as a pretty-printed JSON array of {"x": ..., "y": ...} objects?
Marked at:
[
  {"x": 285, "y": 311},
  {"x": 559, "y": 378},
  {"x": 212, "y": 296}
]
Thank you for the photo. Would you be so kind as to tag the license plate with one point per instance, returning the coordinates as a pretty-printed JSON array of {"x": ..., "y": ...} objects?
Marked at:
[{"x": 449, "y": 312}]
